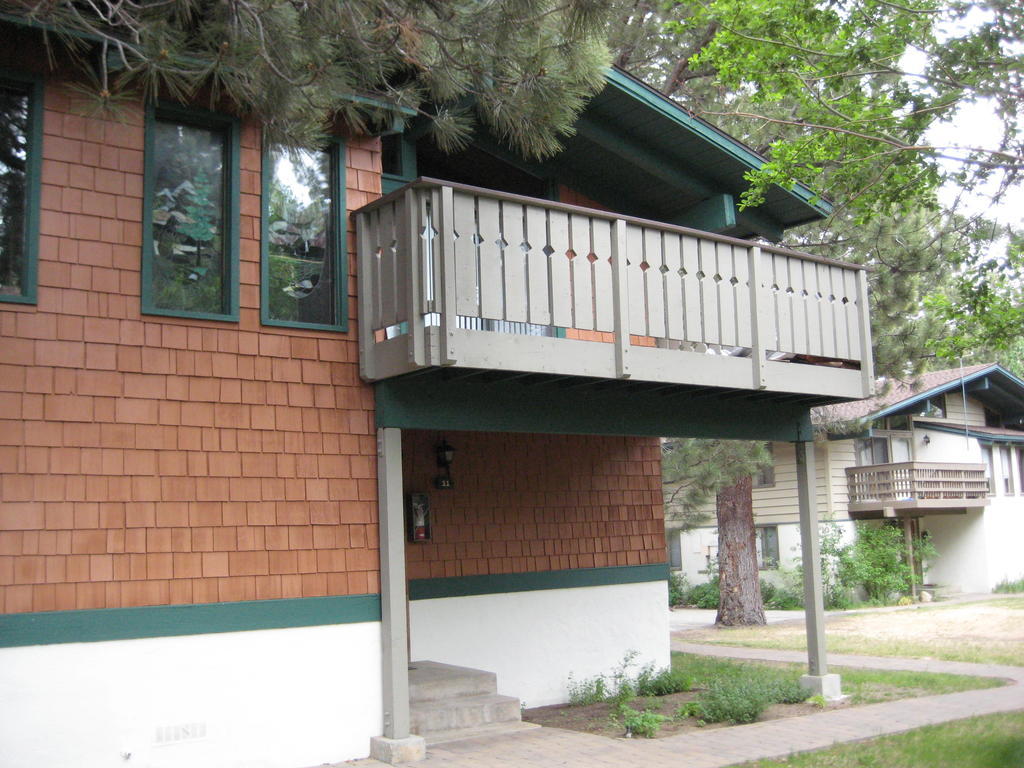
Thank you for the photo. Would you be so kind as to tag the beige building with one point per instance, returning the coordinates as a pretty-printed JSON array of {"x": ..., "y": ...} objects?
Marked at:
[{"x": 944, "y": 456}]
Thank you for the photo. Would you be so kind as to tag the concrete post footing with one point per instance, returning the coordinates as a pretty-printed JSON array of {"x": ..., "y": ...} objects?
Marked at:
[
  {"x": 826, "y": 686},
  {"x": 395, "y": 751}
]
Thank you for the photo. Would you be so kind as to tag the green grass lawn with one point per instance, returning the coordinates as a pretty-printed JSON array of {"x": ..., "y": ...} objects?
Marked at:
[
  {"x": 993, "y": 741},
  {"x": 987, "y": 632},
  {"x": 863, "y": 686}
]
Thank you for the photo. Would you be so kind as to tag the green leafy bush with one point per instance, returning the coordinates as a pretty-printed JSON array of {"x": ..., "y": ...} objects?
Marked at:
[
  {"x": 646, "y": 723},
  {"x": 734, "y": 700},
  {"x": 784, "y": 690},
  {"x": 780, "y": 596},
  {"x": 741, "y": 695},
  {"x": 704, "y": 595},
  {"x": 677, "y": 588},
  {"x": 877, "y": 561},
  {"x": 1009, "y": 587},
  {"x": 587, "y": 691},
  {"x": 661, "y": 683}
]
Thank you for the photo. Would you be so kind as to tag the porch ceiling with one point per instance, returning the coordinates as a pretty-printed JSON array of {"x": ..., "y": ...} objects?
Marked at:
[{"x": 488, "y": 400}]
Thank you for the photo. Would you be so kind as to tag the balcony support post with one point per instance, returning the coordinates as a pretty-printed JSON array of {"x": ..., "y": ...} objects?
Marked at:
[
  {"x": 620, "y": 312},
  {"x": 396, "y": 744},
  {"x": 818, "y": 680},
  {"x": 908, "y": 538}
]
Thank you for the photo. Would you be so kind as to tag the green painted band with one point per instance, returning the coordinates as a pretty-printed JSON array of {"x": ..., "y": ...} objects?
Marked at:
[
  {"x": 92, "y": 626},
  {"x": 498, "y": 583}
]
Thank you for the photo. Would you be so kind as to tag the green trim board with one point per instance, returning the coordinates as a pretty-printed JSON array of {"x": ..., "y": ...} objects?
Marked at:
[
  {"x": 980, "y": 436},
  {"x": 93, "y": 626},
  {"x": 230, "y": 129},
  {"x": 563, "y": 405},
  {"x": 338, "y": 244},
  {"x": 501, "y": 583},
  {"x": 32, "y": 86}
]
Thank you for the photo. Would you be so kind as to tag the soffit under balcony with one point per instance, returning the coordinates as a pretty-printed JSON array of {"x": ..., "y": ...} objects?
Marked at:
[{"x": 496, "y": 401}]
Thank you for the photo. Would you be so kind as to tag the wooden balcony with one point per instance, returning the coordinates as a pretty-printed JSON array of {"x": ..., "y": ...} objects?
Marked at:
[
  {"x": 452, "y": 275},
  {"x": 916, "y": 486}
]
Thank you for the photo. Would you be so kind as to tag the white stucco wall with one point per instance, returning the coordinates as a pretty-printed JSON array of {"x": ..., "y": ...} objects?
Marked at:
[
  {"x": 277, "y": 698},
  {"x": 1004, "y": 533},
  {"x": 533, "y": 640},
  {"x": 960, "y": 541},
  {"x": 694, "y": 543}
]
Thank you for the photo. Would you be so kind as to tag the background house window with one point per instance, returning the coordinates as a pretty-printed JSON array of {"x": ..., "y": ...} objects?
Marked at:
[
  {"x": 304, "y": 280},
  {"x": 765, "y": 477},
  {"x": 768, "y": 547},
  {"x": 20, "y": 155},
  {"x": 883, "y": 448},
  {"x": 675, "y": 553},
  {"x": 993, "y": 419},
  {"x": 934, "y": 407},
  {"x": 190, "y": 254},
  {"x": 871, "y": 450}
]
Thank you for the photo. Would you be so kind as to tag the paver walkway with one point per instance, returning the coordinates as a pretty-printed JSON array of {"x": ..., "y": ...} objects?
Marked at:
[{"x": 554, "y": 748}]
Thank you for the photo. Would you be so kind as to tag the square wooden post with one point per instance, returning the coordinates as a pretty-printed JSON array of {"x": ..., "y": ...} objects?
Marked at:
[
  {"x": 397, "y": 745},
  {"x": 818, "y": 681}
]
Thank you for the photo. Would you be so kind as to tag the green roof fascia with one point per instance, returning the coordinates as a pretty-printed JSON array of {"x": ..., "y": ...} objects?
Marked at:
[
  {"x": 22, "y": 21},
  {"x": 721, "y": 141},
  {"x": 370, "y": 101},
  {"x": 982, "y": 437}
]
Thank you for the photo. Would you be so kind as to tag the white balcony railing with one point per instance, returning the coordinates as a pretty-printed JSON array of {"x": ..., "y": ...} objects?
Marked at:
[
  {"x": 456, "y": 275},
  {"x": 912, "y": 485}
]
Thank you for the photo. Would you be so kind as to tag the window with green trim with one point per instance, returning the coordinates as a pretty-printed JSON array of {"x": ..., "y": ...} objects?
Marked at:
[
  {"x": 304, "y": 274},
  {"x": 20, "y": 161},
  {"x": 190, "y": 251}
]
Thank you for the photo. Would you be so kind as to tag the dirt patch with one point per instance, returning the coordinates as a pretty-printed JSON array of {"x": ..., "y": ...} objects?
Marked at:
[
  {"x": 972, "y": 632},
  {"x": 596, "y": 718}
]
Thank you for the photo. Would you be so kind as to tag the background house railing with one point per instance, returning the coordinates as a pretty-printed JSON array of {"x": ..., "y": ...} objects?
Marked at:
[
  {"x": 915, "y": 484},
  {"x": 440, "y": 263}
]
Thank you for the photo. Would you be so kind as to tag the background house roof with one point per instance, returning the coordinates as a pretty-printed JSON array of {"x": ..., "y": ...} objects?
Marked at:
[{"x": 990, "y": 383}]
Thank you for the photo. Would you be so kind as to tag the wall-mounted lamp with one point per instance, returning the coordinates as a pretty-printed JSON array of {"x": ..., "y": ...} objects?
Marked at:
[
  {"x": 445, "y": 456},
  {"x": 926, "y": 440}
]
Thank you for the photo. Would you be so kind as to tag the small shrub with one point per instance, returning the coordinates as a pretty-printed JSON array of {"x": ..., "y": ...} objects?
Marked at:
[
  {"x": 817, "y": 700},
  {"x": 689, "y": 709},
  {"x": 646, "y": 723},
  {"x": 668, "y": 680},
  {"x": 1010, "y": 587},
  {"x": 704, "y": 595},
  {"x": 905, "y": 601},
  {"x": 587, "y": 691},
  {"x": 677, "y": 588},
  {"x": 783, "y": 690},
  {"x": 780, "y": 596},
  {"x": 732, "y": 700}
]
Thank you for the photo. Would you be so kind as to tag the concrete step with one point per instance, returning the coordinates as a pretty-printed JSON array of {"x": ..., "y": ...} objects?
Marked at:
[
  {"x": 484, "y": 731},
  {"x": 463, "y": 712},
  {"x": 433, "y": 681}
]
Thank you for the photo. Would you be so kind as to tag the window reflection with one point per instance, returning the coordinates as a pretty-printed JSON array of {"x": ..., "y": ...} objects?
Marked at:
[{"x": 301, "y": 238}]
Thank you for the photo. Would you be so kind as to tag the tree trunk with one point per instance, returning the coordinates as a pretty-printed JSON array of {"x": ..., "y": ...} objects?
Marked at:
[{"x": 739, "y": 588}]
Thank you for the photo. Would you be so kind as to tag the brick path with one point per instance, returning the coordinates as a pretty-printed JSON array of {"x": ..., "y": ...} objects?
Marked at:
[{"x": 554, "y": 748}]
